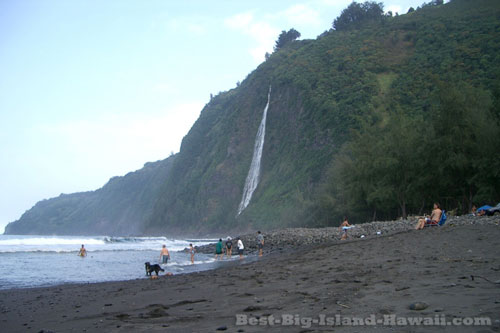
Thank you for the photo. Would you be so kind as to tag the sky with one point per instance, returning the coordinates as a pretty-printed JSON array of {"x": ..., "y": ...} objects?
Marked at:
[{"x": 92, "y": 89}]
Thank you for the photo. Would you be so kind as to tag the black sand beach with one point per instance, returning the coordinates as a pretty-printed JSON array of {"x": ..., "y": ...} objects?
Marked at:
[{"x": 454, "y": 270}]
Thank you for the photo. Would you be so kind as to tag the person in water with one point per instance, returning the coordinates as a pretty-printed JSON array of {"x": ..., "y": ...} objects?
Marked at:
[
  {"x": 218, "y": 249},
  {"x": 164, "y": 255},
  {"x": 260, "y": 243},
  {"x": 191, "y": 251},
  {"x": 82, "y": 252},
  {"x": 229, "y": 247}
]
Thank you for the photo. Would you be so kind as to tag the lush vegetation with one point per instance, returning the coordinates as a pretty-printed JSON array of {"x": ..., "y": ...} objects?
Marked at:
[
  {"x": 401, "y": 164},
  {"x": 365, "y": 121},
  {"x": 286, "y": 37},
  {"x": 357, "y": 14},
  {"x": 374, "y": 119}
]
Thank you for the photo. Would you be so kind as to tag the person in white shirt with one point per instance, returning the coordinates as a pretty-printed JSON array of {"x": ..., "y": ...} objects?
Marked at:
[{"x": 240, "y": 248}]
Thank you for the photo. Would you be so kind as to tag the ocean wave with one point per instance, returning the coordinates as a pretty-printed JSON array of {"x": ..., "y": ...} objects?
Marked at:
[
  {"x": 68, "y": 244},
  {"x": 49, "y": 241},
  {"x": 110, "y": 239},
  {"x": 52, "y": 250}
]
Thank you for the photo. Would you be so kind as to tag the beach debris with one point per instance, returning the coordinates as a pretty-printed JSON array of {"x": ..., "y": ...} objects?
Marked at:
[
  {"x": 418, "y": 306},
  {"x": 343, "y": 305},
  {"x": 402, "y": 288},
  {"x": 482, "y": 277},
  {"x": 251, "y": 308},
  {"x": 386, "y": 311},
  {"x": 122, "y": 316},
  {"x": 156, "y": 313}
]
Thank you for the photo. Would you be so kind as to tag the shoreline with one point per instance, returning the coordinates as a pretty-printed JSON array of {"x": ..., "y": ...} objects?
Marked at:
[
  {"x": 290, "y": 238},
  {"x": 358, "y": 277}
]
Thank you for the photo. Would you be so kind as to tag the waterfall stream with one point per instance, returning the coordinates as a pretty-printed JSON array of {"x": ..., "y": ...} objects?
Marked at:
[{"x": 253, "y": 174}]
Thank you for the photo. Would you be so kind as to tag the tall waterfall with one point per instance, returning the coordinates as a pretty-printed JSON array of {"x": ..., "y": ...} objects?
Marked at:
[{"x": 253, "y": 174}]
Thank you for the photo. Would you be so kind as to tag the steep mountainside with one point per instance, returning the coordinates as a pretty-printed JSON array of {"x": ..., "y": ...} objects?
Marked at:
[
  {"x": 322, "y": 90},
  {"x": 118, "y": 208}
]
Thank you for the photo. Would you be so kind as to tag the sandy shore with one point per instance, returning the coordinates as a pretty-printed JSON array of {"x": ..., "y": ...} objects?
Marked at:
[{"x": 364, "y": 278}]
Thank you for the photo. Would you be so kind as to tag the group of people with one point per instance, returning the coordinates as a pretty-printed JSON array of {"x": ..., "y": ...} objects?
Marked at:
[
  {"x": 165, "y": 255},
  {"x": 221, "y": 250},
  {"x": 433, "y": 219}
]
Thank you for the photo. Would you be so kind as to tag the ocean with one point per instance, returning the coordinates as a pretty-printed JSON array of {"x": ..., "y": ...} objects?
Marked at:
[{"x": 37, "y": 261}]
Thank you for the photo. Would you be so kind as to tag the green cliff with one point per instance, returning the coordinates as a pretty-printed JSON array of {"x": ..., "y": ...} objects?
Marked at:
[{"x": 354, "y": 117}]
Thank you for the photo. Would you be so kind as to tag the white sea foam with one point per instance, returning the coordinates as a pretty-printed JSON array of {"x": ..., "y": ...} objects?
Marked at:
[
  {"x": 108, "y": 258},
  {"x": 15, "y": 243}
]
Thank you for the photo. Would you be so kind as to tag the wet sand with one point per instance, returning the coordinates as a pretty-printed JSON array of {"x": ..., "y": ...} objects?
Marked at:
[{"x": 363, "y": 278}]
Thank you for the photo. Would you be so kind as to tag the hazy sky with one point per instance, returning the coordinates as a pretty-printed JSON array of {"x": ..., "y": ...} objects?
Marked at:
[{"x": 91, "y": 89}]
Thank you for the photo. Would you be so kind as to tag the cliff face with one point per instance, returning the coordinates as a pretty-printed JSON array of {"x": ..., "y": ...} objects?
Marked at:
[
  {"x": 205, "y": 186},
  {"x": 321, "y": 90},
  {"x": 115, "y": 209}
]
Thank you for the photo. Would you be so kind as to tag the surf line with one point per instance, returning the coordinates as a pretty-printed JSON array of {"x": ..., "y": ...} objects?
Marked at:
[{"x": 253, "y": 176}]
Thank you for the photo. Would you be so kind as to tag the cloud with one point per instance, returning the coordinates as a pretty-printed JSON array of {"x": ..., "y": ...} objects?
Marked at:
[
  {"x": 239, "y": 21},
  {"x": 264, "y": 28},
  {"x": 196, "y": 25},
  {"x": 301, "y": 14},
  {"x": 336, "y": 3},
  {"x": 261, "y": 32},
  {"x": 197, "y": 29}
]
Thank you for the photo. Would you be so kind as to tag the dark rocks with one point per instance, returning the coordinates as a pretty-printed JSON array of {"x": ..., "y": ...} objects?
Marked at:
[
  {"x": 402, "y": 288},
  {"x": 418, "y": 306},
  {"x": 252, "y": 308},
  {"x": 292, "y": 238}
]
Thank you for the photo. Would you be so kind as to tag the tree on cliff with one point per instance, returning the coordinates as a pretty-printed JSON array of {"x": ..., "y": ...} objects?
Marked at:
[
  {"x": 358, "y": 13},
  {"x": 286, "y": 37}
]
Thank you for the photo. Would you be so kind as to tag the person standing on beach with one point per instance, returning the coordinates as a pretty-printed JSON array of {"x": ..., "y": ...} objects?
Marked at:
[
  {"x": 345, "y": 226},
  {"x": 260, "y": 243},
  {"x": 164, "y": 255},
  {"x": 82, "y": 252},
  {"x": 240, "y": 248},
  {"x": 191, "y": 251},
  {"x": 218, "y": 249},
  {"x": 229, "y": 247}
]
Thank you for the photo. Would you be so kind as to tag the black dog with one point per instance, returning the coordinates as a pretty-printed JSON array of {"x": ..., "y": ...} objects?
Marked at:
[{"x": 153, "y": 268}]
